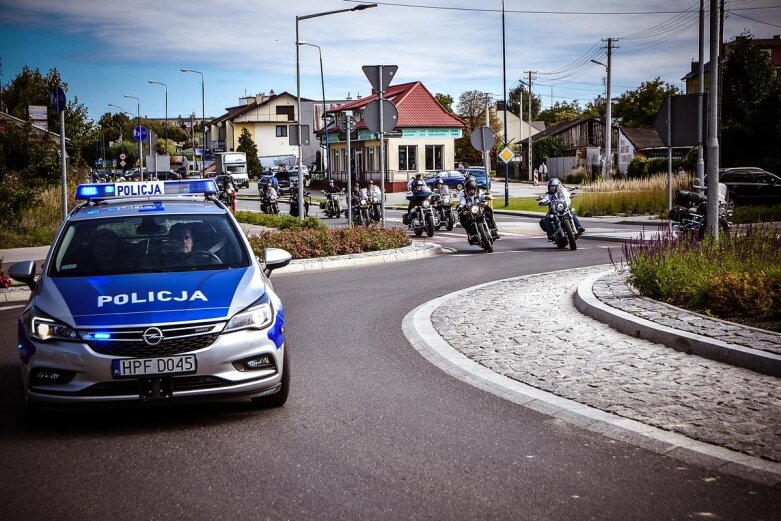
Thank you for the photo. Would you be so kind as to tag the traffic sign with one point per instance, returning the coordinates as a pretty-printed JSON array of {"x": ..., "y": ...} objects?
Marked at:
[
  {"x": 122, "y": 155},
  {"x": 371, "y": 116},
  {"x": 506, "y": 155},
  {"x": 483, "y": 139},
  {"x": 122, "y": 163},
  {"x": 57, "y": 99},
  {"x": 372, "y": 73},
  {"x": 140, "y": 133}
]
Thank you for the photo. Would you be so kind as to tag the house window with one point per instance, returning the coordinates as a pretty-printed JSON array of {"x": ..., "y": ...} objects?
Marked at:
[
  {"x": 434, "y": 155},
  {"x": 281, "y": 130},
  {"x": 370, "y": 165},
  {"x": 408, "y": 157},
  {"x": 287, "y": 110}
]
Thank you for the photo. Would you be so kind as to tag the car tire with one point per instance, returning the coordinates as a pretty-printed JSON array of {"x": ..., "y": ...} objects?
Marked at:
[{"x": 279, "y": 398}]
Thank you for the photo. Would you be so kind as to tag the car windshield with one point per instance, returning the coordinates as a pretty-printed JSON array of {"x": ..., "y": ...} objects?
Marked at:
[{"x": 139, "y": 244}]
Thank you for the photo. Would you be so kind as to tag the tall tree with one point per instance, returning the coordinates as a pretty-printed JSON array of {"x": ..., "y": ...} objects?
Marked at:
[
  {"x": 471, "y": 108},
  {"x": 446, "y": 100},
  {"x": 248, "y": 146},
  {"x": 514, "y": 99},
  {"x": 751, "y": 108},
  {"x": 560, "y": 111},
  {"x": 639, "y": 107}
]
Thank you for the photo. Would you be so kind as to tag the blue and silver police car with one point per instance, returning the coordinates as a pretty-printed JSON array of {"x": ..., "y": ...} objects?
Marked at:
[{"x": 151, "y": 293}]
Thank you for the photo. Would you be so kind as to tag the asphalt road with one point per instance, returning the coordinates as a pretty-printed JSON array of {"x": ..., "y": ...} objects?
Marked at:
[{"x": 371, "y": 430}]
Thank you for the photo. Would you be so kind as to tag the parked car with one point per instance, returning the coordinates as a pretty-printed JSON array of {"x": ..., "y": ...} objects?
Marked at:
[
  {"x": 483, "y": 181},
  {"x": 751, "y": 186},
  {"x": 264, "y": 179},
  {"x": 168, "y": 175},
  {"x": 453, "y": 179}
]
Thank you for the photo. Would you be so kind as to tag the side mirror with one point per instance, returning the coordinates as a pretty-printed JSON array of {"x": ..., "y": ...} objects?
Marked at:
[
  {"x": 24, "y": 272},
  {"x": 275, "y": 258}
]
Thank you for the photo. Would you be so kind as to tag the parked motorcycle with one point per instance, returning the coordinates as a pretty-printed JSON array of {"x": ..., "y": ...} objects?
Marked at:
[
  {"x": 332, "y": 206},
  {"x": 294, "y": 203},
  {"x": 360, "y": 208},
  {"x": 690, "y": 214},
  {"x": 422, "y": 216},
  {"x": 268, "y": 204},
  {"x": 443, "y": 209},
  {"x": 476, "y": 226},
  {"x": 560, "y": 211}
]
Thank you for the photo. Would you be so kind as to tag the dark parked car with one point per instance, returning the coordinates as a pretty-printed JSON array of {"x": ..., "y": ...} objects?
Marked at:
[
  {"x": 751, "y": 186},
  {"x": 453, "y": 179},
  {"x": 168, "y": 175},
  {"x": 483, "y": 181}
]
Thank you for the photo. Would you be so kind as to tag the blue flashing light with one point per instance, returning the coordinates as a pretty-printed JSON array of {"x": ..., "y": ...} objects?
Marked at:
[
  {"x": 102, "y": 336},
  {"x": 147, "y": 189},
  {"x": 94, "y": 191},
  {"x": 191, "y": 186}
]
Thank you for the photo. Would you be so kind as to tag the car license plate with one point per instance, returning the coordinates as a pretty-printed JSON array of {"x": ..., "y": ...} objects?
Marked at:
[{"x": 128, "y": 367}]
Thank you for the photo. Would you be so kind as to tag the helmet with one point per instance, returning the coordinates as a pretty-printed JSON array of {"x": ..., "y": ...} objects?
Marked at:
[
  {"x": 419, "y": 184},
  {"x": 371, "y": 182},
  {"x": 470, "y": 187},
  {"x": 553, "y": 185},
  {"x": 268, "y": 184},
  {"x": 330, "y": 182},
  {"x": 440, "y": 181}
]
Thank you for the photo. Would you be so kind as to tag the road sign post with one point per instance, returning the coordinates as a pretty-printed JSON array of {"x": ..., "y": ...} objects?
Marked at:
[{"x": 57, "y": 101}]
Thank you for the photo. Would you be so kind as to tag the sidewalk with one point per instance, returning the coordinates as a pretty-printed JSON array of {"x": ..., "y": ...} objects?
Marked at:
[{"x": 535, "y": 348}]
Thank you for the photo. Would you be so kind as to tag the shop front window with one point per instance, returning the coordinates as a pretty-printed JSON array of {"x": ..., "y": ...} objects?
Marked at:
[
  {"x": 408, "y": 157},
  {"x": 434, "y": 157}
]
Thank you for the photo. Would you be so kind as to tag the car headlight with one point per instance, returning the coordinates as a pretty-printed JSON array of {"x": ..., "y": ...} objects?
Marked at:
[
  {"x": 44, "y": 328},
  {"x": 560, "y": 207},
  {"x": 257, "y": 316}
]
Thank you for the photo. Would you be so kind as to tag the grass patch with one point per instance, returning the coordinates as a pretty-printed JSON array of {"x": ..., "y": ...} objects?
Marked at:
[
  {"x": 628, "y": 196},
  {"x": 520, "y": 204},
  {"x": 737, "y": 277},
  {"x": 756, "y": 214},
  {"x": 38, "y": 223},
  {"x": 308, "y": 243}
]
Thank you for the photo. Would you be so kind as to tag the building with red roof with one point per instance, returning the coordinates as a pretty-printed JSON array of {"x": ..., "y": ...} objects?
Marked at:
[{"x": 423, "y": 139}]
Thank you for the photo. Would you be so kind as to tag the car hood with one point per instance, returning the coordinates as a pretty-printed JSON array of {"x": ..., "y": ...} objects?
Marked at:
[{"x": 149, "y": 298}]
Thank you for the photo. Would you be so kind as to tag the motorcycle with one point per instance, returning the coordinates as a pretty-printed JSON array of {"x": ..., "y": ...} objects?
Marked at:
[
  {"x": 332, "y": 206},
  {"x": 225, "y": 197},
  {"x": 422, "y": 216},
  {"x": 375, "y": 209},
  {"x": 443, "y": 209},
  {"x": 294, "y": 203},
  {"x": 476, "y": 226},
  {"x": 360, "y": 208},
  {"x": 268, "y": 204},
  {"x": 560, "y": 211},
  {"x": 690, "y": 214}
]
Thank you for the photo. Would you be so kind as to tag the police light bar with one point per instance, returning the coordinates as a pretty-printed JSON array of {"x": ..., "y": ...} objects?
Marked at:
[{"x": 146, "y": 189}]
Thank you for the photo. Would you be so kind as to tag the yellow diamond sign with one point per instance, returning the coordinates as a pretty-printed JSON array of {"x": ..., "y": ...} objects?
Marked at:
[{"x": 506, "y": 155}]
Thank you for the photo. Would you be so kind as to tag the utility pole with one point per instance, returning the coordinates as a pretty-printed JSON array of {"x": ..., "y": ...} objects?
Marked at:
[
  {"x": 609, "y": 115},
  {"x": 487, "y": 153},
  {"x": 531, "y": 161},
  {"x": 701, "y": 102},
  {"x": 713, "y": 124}
]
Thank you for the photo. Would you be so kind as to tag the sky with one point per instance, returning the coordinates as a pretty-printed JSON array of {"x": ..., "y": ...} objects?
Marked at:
[{"x": 105, "y": 49}]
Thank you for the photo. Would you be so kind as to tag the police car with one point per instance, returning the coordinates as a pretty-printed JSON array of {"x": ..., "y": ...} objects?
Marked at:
[{"x": 151, "y": 293}]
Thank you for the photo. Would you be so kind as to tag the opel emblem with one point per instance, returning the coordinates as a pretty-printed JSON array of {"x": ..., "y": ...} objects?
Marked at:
[{"x": 152, "y": 336}]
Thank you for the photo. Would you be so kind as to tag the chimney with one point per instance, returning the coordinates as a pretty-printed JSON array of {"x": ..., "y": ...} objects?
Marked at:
[
  {"x": 348, "y": 96},
  {"x": 357, "y": 95}
]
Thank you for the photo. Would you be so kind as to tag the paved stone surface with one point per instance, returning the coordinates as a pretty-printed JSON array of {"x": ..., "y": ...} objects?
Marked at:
[
  {"x": 531, "y": 332},
  {"x": 614, "y": 291}
]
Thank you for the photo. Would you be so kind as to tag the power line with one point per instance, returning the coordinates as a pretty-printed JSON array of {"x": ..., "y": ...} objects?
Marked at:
[{"x": 753, "y": 20}]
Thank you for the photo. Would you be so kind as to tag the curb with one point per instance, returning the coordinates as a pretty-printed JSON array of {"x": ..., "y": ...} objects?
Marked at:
[
  {"x": 417, "y": 327},
  {"x": 414, "y": 252},
  {"x": 690, "y": 343}
]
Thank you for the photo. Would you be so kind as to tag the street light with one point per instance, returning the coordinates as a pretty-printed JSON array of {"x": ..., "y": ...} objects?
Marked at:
[
  {"x": 166, "y": 108},
  {"x": 359, "y": 7},
  {"x": 608, "y": 167},
  {"x": 203, "y": 118},
  {"x": 121, "y": 110},
  {"x": 140, "y": 141},
  {"x": 327, "y": 159}
]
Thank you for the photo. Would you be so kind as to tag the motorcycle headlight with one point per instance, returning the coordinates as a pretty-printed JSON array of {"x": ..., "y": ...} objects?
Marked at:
[
  {"x": 560, "y": 207},
  {"x": 257, "y": 316},
  {"x": 44, "y": 328},
  {"x": 474, "y": 209},
  {"x": 446, "y": 200},
  {"x": 426, "y": 203},
  {"x": 363, "y": 202}
]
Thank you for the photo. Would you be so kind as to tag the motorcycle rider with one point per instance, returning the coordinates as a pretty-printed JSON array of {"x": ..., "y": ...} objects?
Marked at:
[
  {"x": 268, "y": 193},
  {"x": 470, "y": 196},
  {"x": 229, "y": 187},
  {"x": 556, "y": 190},
  {"x": 294, "y": 200},
  {"x": 331, "y": 188},
  {"x": 441, "y": 188},
  {"x": 374, "y": 191},
  {"x": 418, "y": 188}
]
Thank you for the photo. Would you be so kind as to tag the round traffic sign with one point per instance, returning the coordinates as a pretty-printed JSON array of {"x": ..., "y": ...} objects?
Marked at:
[
  {"x": 57, "y": 99},
  {"x": 122, "y": 155},
  {"x": 140, "y": 133}
]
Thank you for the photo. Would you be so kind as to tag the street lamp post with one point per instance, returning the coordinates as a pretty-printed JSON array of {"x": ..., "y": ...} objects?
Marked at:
[
  {"x": 327, "y": 159},
  {"x": 203, "y": 117},
  {"x": 166, "y": 107},
  {"x": 607, "y": 169},
  {"x": 120, "y": 127},
  {"x": 359, "y": 7},
  {"x": 140, "y": 141}
]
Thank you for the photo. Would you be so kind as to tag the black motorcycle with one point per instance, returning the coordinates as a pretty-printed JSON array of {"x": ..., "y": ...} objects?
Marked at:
[
  {"x": 375, "y": 208},
  {"x": 564, "y": 231},
  {"x": 294, "y": 203},
  {"x": 690, "y": 214},
  {"x": 332, "y": 205},
  {"x": 422, "y": 216},
  {"x": 268, "y": 203},
  {"x": 443, "y": 209},
  {"x": 360, "y": 208},
  {"x": 476, "y": 226}
]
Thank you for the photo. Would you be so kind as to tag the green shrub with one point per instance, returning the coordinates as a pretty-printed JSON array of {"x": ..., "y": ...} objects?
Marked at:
[
  {"x": 638, "y": 168},
  {"x": 307, "y": 243},
  {"x": 741, "y": 294},
  {"x": 756, "y": 214},
  {"x": 282, "y": 222}
]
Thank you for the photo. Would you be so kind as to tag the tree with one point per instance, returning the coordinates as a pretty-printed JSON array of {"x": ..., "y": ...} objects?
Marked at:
[
  {"x": 560, "y": 112},
  {"x": 751, "y": 108},
  {"x": 547, "y": 147},
  {"x": 446, "y": 100},
  {"x": 248, "y": 146},
  {"x": 471, "y": 108},
  {"x": 594, "y": 109},
  {"x": 513, "y": 102},
  {"x": 638, "y": 108}
]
